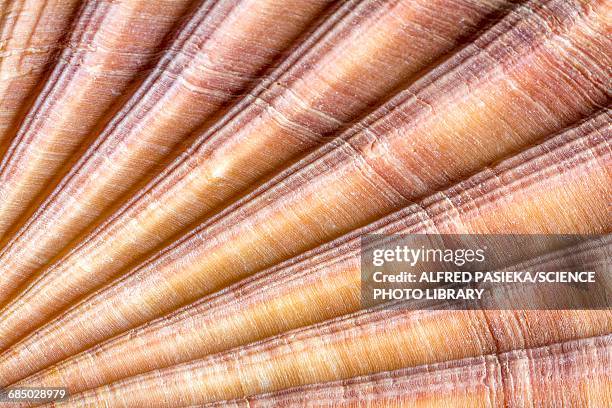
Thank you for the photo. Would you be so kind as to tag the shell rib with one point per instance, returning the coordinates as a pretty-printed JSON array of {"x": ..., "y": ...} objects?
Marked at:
[
  {"x": 300, "y": 291},
  {"x": 201, "y": 72},
  {"x": 190, "y": 188},
  {"x": 89, "y": 76},
  {"x": 574, "y": 373},
  {"x": 186, "y": 186},
  {"x": 31, "y": 32},
  {"x": 461, "y": 113},
  {"x": 358, "y": 344}
]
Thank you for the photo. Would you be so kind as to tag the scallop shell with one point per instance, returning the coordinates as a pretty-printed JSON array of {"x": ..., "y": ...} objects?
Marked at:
[{"x": 185, "y": 184}]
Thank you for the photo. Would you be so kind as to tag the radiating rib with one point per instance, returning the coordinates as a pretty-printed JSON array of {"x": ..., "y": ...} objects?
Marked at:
[
  {"x": 297, "y": 115},
  {"x": 110, "y": 46},
  {"x": 303, "y": 105},
  {"x": 524, "y": 194},
  {"x": 377, "y": 170},
  {"x": 31, "y": 34},
  {"x": 203, "y": 70},
  {"x": 354, "y": 345},
  {"x": 564, "y": 374},
  {"x": 504, "y": 91}
]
